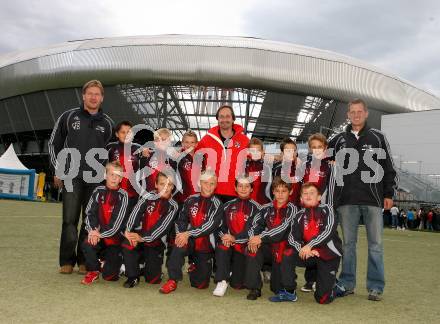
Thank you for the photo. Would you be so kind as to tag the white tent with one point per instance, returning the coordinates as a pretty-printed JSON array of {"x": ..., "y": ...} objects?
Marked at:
[
  {"x": 10, "y": 160},
  {"x": 16, "y": 181}
]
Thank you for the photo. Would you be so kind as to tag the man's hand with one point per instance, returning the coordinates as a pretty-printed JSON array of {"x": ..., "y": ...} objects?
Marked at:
[
  {"x": 182, "y": 239},
  {"x": 304, "y": 252},
  {"x": 57, "y": 182},
  {"x": 254, "y": 243},
  {"x": 228, "y": 240},
  {"x": 387, "y": 203}
]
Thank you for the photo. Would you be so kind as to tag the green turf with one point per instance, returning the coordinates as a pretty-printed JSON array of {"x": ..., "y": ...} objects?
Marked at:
[{"x": 32, "y": 291}]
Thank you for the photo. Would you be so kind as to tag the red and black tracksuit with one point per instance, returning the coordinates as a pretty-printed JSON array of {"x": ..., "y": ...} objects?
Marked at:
[
  {"x": 200, "y": 216},
  {"x": 129, "y": 158},
  {"x": 322, "y": 174},
  {"x": 315, "y": 227},
  {"x": 150, "y": 166},
  {"x": 105, "y": 212},
  {"x": 185, "y": 176},
  {"x": 289, "y": 172},
  {"x": 152, "y": 218},
  {"x": 271, "y": 220},
  {"x": 261, "y": 180},
  {"x": 238, "y": 215}
]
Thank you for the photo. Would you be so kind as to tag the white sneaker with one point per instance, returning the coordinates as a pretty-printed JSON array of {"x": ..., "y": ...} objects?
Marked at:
[{"x": 220, "y": 290}]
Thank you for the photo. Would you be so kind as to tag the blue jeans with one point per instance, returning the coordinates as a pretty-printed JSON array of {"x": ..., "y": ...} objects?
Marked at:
[
  {"x": 394, "y": 221},
  {"x": 349, "y": 216}
]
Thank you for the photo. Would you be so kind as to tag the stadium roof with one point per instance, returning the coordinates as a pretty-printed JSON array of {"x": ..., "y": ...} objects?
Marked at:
[{"x": 316, "y": 78}]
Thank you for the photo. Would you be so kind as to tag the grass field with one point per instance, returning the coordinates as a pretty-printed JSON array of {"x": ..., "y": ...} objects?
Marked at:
[{"x": 32, "y": 291}]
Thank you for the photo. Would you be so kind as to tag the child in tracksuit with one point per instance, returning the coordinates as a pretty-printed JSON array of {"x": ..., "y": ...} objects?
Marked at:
[
  {"x": 320, "y": 171},
  {"x": 289, "y": 168},
  {"x": 154, "y": 214},
  {"x": 105, "y": 214},
  {"x": 260, "y": 173},
  {"x": 313, "y": 242},
  {"x": 199, "y": 218},
  {"x": 230, "y": 253},
  {"x": 128, "y": 154},
  {"x": 271, "y": 219}
]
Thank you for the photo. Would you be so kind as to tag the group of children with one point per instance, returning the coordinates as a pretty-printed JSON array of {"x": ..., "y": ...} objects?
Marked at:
[{"x": 281, "y": 218}]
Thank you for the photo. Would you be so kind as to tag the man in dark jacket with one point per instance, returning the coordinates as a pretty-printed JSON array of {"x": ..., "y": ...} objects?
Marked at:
[
  {"x": 368, "y": 186},
  {"x": 76, "y": 132}
]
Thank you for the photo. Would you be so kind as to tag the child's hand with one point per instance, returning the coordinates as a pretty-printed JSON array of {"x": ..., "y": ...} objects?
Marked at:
[
  {"x": 228, "y": 240},
  {"x": 182, "y": 239},
  {"x": 304, "y": 252},
  {"x": 94, "y": 237},
  {"x": 315, "y": 253},
  {"x": 254, "y": 243}
]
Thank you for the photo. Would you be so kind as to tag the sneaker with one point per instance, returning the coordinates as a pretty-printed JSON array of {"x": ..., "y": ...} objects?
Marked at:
[
  {"x": 341, "y": 291},
  {"x": 90, "y": 277},
  {"x": 82, "y": 269},
  {"x": 253, "y": 294},
  {"x": 284, "y": 296},
  {"x": 308, "y": 287},
  {"x": 220, "y": 290},
  {"x": 374, "y": 295},
  {"x": 66, "y": 269},
  {"x": 168, "y": 287},
  {"x": 131, "y": 282}
]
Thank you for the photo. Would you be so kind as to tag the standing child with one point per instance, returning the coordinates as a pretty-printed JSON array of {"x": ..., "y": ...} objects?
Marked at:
[
  {"x": 230, "y": 253},
  {"x": 259, "y": 172},
  {"x": 105, "y": 214},
  {"x": 287, "y": 168},
  {"x": 272, "y": 218},
  {"x": 154, "y": 214},
  {"x": 128, "y": 154},
  {"x": 199, "y": 218}
]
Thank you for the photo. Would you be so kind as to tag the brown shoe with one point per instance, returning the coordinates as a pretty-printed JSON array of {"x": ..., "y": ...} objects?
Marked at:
[
  {"x": 66, "y": 269},
  {"x": 82, "y": 269}
]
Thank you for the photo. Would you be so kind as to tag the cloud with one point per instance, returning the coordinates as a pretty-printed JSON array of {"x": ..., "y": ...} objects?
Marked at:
[{"x": 398, "y": 36}]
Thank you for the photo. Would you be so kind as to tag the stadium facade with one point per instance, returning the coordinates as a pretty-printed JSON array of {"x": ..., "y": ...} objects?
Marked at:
[{"x": 176, "y": 81}]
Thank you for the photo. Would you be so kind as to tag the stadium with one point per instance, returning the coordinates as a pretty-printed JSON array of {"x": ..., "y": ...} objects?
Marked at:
[{"x": 178, "y": 82}]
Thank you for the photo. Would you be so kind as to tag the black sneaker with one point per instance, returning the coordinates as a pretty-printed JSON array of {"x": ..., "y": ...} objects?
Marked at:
[
  {"x": 374, "y": 295},
  {"x": 131, "y": 282},
  {"x": 308, "y": 287},
  {"x": 253, "y": 294}
]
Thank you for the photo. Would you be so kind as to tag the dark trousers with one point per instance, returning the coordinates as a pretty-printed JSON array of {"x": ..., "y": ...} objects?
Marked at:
[
  {"x": 153, "y": 257},
  {"x": 73, "y": 202},
  {"x": 111, "y": 254},
  {"x": 254, "y": 265},
  {"x": 200, "y": 277},
  {"x": 231, "y": 266},
  {"x": 310, "y": 274},
  {"x": 325, "y": 274}
]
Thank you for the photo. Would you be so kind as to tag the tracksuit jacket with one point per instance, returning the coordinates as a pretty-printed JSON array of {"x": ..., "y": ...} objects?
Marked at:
[
  {"x": 293, "y": 172},
  {"x": 322, "y": 175},
  {"x": 228, "y": 158},
  {"x": 77, "y": 128},
  {"x": 355, "y": 191},
  {"x": 200, "y": 216},
  {"x": 261, "y": 190},
  {"x": 105, "y": 212},
  {"x": 271, "y": 221},
  {"x": 238, "y": 216},
  {"x": 116, "y": 153},
  {"x": 155, "y": 216}
]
